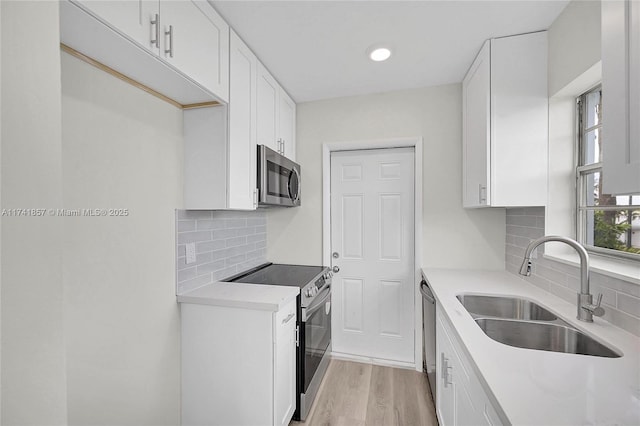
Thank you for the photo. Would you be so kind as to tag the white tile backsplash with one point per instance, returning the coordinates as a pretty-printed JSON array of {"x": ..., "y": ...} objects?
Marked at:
[
  {"x": 227, "y": 242},
  {"x": 621, "y": 299}
]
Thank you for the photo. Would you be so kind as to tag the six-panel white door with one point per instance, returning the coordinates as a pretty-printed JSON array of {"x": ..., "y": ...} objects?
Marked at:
[{"x": 372, "y": 234}]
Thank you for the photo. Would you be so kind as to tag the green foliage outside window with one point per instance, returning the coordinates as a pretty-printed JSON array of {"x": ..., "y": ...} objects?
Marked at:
[{"x": 609, "y": 229}]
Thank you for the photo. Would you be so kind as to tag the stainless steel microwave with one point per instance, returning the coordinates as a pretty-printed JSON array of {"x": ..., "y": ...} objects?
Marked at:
[{"x": 278, "y": 179}]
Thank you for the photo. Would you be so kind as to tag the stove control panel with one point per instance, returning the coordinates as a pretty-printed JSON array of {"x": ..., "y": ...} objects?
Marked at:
[{"x": 310, "y": 291}]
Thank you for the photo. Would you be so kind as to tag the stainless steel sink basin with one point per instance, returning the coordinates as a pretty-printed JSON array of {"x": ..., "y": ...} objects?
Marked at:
[
  {"x": 525, "y": 324},
  {"x": 543, "y": 336},
  {"x": 504, "y": 307}
]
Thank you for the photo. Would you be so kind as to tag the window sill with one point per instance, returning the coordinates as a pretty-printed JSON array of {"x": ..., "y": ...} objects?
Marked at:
[{"x": 626, "y": 270}]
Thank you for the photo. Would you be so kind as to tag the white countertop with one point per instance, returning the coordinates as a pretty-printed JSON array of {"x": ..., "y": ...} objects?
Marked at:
[
  {"x": 240, "y": 295},
  {"x": 538, "y": 387}
]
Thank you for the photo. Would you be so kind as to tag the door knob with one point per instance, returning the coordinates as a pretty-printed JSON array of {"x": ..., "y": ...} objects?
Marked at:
[{"x": 336, "y": 269}]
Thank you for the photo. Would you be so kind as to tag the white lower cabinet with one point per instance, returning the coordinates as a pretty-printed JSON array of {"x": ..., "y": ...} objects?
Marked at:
[
  {"x": 238, "y": 365},
  {"x": 284, "y": 367},
  {"x": 460, "y": 398}
]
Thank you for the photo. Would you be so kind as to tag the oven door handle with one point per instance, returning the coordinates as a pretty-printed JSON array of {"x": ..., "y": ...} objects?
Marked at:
[{"x": 307, "y": 312}]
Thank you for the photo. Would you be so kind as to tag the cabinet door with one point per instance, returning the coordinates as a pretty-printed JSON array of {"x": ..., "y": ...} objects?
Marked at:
[
  {"x": 466, "y": 413},
  {"x": 458, "y": 402},
  {"x": 195, "y": 40},
  {"x": 476, "y": 131},
  {"x": 445, "y": 404},
  {"x": 519, "y": 121},
  {"x": 242, "y": 125},
  {"x": 445, "y": 385},
  {"x": 287, "y": 124},
  {"x": 267, "y": 107},
  {"x": 133, "y": 19},
  {"x": 285, "y": 365},
  {"x": 621, "y": 96}
]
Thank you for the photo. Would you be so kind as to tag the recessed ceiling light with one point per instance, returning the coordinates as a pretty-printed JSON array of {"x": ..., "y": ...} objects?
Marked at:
[{"x": 379, "y": 54}]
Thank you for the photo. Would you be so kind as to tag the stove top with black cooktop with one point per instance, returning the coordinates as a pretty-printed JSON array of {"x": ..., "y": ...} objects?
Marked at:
[{"x": 279, "y": 274}]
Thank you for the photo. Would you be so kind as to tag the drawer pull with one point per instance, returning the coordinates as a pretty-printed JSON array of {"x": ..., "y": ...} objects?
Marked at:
[{"x": 288, "y": 318}]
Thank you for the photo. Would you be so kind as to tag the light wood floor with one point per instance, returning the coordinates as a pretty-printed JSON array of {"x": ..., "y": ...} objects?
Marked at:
[{"x": 354, "y": 394}]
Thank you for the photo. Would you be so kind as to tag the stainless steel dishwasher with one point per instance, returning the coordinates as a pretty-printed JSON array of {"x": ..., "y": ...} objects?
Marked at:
[{"x": 428, "y": 334}]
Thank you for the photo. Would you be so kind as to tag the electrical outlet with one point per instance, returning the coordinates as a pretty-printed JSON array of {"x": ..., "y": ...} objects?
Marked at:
[{"x": 191, "y": 253}]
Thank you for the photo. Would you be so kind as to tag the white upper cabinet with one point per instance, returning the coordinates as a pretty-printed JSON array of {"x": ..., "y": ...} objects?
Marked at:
[
  {"x": 621, "y": 96},
  {"x": 136, "y": 19},
  {"x": 195, "y": 40},
  {"x": 505, "y": 124},
  {"x": 242, "y": 126},
  {"x": 206, "y": 153},
  {"x": 276, "y": 115},
  {"x": 189, "y": 37},
  {"x": 220, "y": 166},
  {"x": 287, "y": 125},
  {"x": 476, "y": 115},
  {"x": 267, "y": 101}
]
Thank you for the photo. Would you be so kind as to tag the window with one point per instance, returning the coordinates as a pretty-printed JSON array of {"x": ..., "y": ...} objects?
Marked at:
[{"x": 607, "y": 224}]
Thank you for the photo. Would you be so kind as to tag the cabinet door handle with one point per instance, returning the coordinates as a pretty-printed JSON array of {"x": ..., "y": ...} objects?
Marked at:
[
  {"x": 284, "y": 146},
  {"x": 255, "y": 198},
  {"x": 288, "y": 318},
  {"x": 170, "y": 34},
  {"x": 448, "y": 381},
  {"x": 446, "y": 373},
  {"x": 482, "y": 194},
  {"x": 156, "y": 22}
]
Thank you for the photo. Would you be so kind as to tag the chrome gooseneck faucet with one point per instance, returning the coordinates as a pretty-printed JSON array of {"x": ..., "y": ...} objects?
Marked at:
[{"x": 586, "y": 308}]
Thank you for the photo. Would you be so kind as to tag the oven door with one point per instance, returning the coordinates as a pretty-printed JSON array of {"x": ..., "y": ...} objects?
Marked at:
[
  {"x": 278, "y": 179},
  {"x": 316, "y": 320}
]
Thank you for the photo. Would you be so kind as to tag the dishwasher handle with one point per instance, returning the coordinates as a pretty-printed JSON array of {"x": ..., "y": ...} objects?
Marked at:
[{"x": 426, "y": 292}]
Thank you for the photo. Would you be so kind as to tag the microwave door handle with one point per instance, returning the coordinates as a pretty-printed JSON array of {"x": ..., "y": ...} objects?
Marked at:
[{"x": 296, "y": 175}]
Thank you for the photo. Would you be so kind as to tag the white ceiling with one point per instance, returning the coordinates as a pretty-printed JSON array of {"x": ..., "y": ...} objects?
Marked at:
[{"x": 317, "y": 49}]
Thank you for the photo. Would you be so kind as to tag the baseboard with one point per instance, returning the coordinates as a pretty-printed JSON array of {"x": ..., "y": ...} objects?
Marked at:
[{"x": 374, "y": 361}]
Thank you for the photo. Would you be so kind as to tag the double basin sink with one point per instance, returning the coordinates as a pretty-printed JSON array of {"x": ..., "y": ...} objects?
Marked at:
[{"x": 525, "y": 324}]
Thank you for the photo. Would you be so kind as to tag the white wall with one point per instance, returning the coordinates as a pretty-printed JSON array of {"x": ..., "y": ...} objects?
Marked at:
[
  {"x": 574, "y": 67},
  {"x": 452, "y": 237},
  {"x": 0, "y": 220},
  {"x": 574, "y": 43},
  {"x": 33, "y": 352},
  {"x": 122, "y": 148}
]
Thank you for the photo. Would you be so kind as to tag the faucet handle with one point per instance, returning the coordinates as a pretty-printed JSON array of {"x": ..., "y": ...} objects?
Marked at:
[
  {"x": 599, "y": 311},
  {"x": 596, "y": 309}
]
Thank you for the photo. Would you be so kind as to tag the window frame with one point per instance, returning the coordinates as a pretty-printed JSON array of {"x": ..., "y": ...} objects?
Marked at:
[{"x": 581, "y": 173}]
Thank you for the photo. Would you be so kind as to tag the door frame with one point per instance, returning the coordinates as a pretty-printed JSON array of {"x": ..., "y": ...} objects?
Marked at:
[{"x": 410, "y": 142}]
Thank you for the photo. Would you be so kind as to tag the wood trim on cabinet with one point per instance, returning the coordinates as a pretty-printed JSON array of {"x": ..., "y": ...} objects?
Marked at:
[
  {"x": 201, "y": 105},
  {"x": 132, "y": 82}
]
